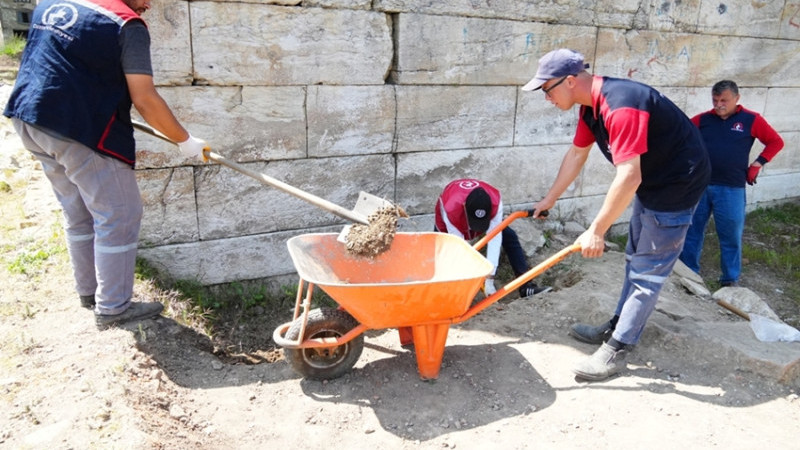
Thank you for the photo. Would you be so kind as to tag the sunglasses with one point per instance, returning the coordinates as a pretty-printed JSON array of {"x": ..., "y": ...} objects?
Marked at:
[{"x": 547, "y": 91}]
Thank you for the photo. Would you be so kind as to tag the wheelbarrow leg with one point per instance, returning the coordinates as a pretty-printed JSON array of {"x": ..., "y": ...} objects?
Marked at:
[
  {"x": 429, "y": 342},
  {"x": 406, "y": 336}
]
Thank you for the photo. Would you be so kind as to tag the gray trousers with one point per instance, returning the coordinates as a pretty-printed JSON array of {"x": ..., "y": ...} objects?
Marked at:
[{"x": 102, "y": 211}]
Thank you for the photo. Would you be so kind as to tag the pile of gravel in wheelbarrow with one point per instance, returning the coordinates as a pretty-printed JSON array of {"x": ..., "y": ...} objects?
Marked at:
[{"x": 373, "y": 239}]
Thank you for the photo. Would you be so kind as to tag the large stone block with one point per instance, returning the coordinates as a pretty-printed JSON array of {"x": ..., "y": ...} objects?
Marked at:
[
  {"x": 273, "y": 45},
  {"x": 785, "y": 162},
  {"x": 596, "y": 176},
  {"x": 240, "y": 123},
  {"x": 265, "y": 2},
  {"x": 350, "y": 120},
  {"x": 677, "y": 95},
  {"x": 674, "y": 15},
  {"x": 232, "y": 204},
  {"x": 675, "y": 59},
  {"x": 169, "y": 27},
  {"x": 522, "y": 174},
  {"x": 772, "y": 188},
  {"x": 582, "y": 210},
  {"x": 621, "y": 13},
  {"x": 574, "y": 12},
  {"x": 349, "y": 4},
  {"x": 451, "y": 117},
  {"x": 538, "y": 122},
  {"x": 758, "y": 18},
  {"x": 226, "y": 260},
  {"x": 780, "y": 109},
  {"x": 790, "y": 22},
  {"x": 170, "y": 215},
  {"x": 698, "y": 100},
  {"x": 458, "y": 50}
]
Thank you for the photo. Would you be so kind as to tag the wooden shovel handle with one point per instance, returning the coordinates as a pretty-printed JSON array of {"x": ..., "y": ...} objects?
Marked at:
[
  {"x": 289, "y": 189},
  {"x": 733, "y": 309},
  {"x": 265, "y": 179}
]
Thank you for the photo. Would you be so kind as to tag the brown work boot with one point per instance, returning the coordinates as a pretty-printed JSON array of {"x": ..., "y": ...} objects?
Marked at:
[{"x": 602, "y": 364}]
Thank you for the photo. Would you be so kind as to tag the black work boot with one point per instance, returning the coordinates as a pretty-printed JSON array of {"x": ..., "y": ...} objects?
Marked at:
[
  {"x": 590, "y": 334},
  {"x": 87, "y": 301}
]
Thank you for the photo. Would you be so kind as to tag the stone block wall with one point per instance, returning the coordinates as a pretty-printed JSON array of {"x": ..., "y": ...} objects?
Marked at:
[{"x": 398, "y": 97}]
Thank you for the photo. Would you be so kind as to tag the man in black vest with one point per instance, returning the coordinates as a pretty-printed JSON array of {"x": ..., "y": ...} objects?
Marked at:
[{"x": 661, "y": 166}]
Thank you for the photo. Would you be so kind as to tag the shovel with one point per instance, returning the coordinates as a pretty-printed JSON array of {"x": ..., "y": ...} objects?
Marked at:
[
  {"x": 365, "y": 205},
  {"x": 765, "y": 329}
]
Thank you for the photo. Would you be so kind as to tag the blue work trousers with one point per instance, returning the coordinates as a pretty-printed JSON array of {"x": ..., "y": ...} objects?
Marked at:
[
  {"x": 727, "y": 204},
  {"x": 655, "y": 240}
]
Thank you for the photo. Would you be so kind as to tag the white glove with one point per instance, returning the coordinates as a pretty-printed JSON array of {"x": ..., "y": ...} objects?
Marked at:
[
  {"x": 488, "y": 287},
  {"x": 194, "y": 147}
]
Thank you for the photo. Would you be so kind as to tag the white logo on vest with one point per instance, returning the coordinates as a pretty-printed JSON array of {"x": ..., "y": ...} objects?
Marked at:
[{"x": 60, "y": 15}]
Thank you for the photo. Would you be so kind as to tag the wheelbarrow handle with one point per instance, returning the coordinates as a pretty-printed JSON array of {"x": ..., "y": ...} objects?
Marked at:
[
  {"x": 517, "y": 282},
  {"x": 265, "y": 179},
  {"x": 511, "y": 217}
]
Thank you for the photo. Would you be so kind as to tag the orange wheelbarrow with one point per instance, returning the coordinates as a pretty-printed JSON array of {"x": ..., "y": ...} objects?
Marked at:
[{"x": 423, "y": 284}]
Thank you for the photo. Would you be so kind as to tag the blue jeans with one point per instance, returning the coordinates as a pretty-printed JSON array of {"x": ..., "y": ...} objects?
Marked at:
[
  {"x": 728, "y": 206},
  {"x": 655, "y": 240}
]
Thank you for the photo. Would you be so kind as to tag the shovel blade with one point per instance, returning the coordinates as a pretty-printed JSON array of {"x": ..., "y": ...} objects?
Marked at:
[
  {"x": 365, "y": 205},
  {"x": 368, "y": 204}
]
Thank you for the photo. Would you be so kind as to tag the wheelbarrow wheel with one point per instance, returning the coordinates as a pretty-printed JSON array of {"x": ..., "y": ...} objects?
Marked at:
[{"x": 329, "y": 362}]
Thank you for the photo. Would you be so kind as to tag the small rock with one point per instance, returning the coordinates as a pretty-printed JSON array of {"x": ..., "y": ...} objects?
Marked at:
[{"x": 176, "y": 412}]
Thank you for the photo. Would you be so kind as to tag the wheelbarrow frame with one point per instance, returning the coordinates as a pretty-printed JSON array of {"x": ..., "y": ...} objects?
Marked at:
[{"x": 429, "y": 337}]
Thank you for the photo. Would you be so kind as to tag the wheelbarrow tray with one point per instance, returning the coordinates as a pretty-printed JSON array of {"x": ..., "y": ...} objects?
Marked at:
[{"x": 422, "y": 278}]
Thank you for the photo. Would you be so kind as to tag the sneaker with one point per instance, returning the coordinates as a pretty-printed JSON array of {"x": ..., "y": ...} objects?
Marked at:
[
  {"x": 137, "y": 311},
  {"x": 534, "y": 289},
  {"x": 602, "y": 364},
  {"x": 87, "y": 301},
  {"x": 590, "y": 334},
  {"x": 730, "y": 284}
]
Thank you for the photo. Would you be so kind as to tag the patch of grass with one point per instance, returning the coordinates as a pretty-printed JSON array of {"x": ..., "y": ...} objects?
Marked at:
[
  {"x": 777, "y": 245},
  {"x": 34, "y": 259},
  {"x": 14, "y": 46},
  {"x": 178, "y": 298}
]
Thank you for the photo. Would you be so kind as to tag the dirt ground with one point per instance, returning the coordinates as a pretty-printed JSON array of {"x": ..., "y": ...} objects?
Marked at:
[{"x": 505, "y": 379}]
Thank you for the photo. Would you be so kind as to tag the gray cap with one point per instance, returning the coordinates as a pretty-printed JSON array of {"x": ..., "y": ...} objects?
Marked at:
[{"x": 557, "y": 63}]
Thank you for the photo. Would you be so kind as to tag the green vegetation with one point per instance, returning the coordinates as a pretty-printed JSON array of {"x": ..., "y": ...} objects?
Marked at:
[
  {"x": 778, "y": 244},
  {"x": 36, "y": 256},
  {"x": 14, "y": 46},
  {"x": 771, "y": 243}
]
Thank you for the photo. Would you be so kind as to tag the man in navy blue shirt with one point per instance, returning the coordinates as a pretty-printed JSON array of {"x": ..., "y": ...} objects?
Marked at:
[
  {"x": 662, "y": 167},
  {"x": 729, "y": 131},
  {"x": 85, "y": 63}
]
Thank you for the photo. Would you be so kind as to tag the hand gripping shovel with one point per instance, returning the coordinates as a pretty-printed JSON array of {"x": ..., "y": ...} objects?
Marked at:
[{"x": 365, "y": 206}]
